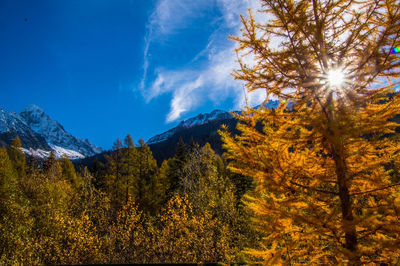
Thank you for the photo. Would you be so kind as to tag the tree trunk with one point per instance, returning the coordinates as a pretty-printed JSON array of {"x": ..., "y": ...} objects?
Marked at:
[
  {"x": 346, "y": 206},
  {"x": 336, "y": 148}
]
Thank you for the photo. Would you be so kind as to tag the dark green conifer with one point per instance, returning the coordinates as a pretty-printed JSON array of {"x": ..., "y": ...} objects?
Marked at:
[{"x": 176, "y": 165}]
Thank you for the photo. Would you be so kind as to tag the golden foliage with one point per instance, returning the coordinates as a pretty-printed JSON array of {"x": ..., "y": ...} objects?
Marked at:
[
  {"x": 325, "y": 191},
  {"x": 72, "y": 241},
  {"x": 185, "y": 237},
  {"x": 131, "y": 236}
]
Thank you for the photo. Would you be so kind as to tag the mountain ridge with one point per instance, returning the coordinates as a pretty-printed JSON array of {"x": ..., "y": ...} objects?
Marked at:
[
  {"x": 201, "y": 119},
  {"x": 41, "y": 135}
]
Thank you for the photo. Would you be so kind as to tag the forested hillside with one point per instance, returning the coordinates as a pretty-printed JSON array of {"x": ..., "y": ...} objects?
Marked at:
[{"x": 126, "y": 211}]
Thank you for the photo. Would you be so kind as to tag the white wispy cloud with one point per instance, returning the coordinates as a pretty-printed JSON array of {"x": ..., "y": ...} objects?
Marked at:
[{"x": 191, "y": 86}]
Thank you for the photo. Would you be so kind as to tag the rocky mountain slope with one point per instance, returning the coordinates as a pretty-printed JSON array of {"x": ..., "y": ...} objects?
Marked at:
[
  {"x": 202, "y": 119},
  {"x": 202, "y": 128},
  {"x": 40, "y": 135}
]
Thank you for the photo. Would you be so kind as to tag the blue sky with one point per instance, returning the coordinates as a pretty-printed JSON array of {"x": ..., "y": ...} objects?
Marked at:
[{"x": 106, "y": 68}]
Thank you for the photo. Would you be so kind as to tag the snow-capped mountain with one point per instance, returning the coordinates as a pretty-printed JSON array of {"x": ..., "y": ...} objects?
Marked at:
[
  {"x": 54, "y": 133},
  {"x": 40, "y": 134},
  {"x": 202, "y": 119},
  {"x": 12, "y": 125}
]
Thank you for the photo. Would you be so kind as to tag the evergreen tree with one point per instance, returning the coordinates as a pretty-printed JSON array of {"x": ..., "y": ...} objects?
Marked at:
[
  {"x": 31, "y": 165},
  {"x": 147, "y": 181},
  {"x": 114, "y": 173},
  {"x": 130, "y": 173},
  {"x": 176, "y": 165},
  {"x": 98, "y": 170},
  {"x": 181, "y": 152},
  {"x": 17, "y": 157},
  {"x": 192, "y": 144},
  {"x": 324, "y": 194}
]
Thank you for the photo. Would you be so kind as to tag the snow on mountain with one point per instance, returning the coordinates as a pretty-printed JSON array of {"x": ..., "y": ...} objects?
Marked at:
[
  {"x": 271, "y": 104},
  {"x": 11, "y": 121},
  {"x": 58, "y": 152},
  {"x": 12, "y": 125},
  {"x": 40, "y": 135},
  {"x": 55, "y": 134},
  {"x": 202, "y": 119},
  {"x": 162, "y": 137},
  {"x": 36, "y": 153}
]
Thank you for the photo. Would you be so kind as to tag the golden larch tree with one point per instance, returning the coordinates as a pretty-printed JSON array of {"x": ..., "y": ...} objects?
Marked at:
[{"x": 325, "y": 161}]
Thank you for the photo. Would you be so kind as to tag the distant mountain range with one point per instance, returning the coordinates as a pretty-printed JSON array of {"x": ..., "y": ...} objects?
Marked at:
[{"x": 40, "y": 135}]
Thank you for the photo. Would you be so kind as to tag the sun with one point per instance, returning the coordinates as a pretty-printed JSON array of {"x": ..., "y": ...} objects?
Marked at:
[{"x": 335, "y": 77}]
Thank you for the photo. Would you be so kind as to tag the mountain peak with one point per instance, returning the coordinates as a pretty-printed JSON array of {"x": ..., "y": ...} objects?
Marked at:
[
  {"x": 204, "y": 118},
  {"x": 201, "y": 119},
  {"x": 54, "y": 132},
  {"x": 198, "y": 120},
  {"x": 40, "y": 134},
  {"x": 33, "y": 108}
]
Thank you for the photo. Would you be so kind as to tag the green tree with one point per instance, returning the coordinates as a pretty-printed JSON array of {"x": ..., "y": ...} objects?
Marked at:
[
  {"x": 17, "y": 157},
  {"x": 175, "y": 166}
]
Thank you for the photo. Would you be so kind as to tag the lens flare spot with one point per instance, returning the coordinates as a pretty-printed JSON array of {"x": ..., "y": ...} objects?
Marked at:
[
  {"x": 395, "y": 50},
  {"x": 335, "y": 77}
]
